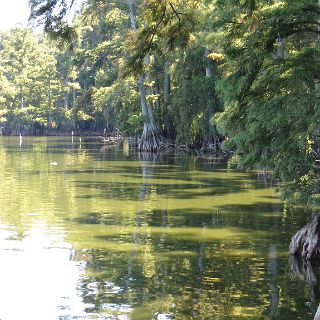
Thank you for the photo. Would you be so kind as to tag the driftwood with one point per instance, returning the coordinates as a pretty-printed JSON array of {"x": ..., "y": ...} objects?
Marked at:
[{"x": 305, "y": 243}]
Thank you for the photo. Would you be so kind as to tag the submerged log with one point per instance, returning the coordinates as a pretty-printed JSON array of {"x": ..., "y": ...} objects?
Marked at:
[{"x": 306, "y": 242}]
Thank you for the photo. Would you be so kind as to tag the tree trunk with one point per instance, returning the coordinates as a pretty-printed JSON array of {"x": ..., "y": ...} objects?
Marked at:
[
  {"x": 66, "y": 94},
  {"x": 21, "y": 106},
  {"x": 166, "y": 93},
  {"x": 317, "y": 316},
  {"x": 131, "y": 14},
  {"x": 150, "y": 139},
  {"x": 74, "y": 97},
  {"x": 278, "y": 52},
  {"x": 306, "y": 243},
  {"x": 208, "y": 63},
  {"x": 21, "y": 98},
  {"x": 49, "y": 106},
  {"x": 158, "y": 103},
  {"x": 168, "y": 126},
  {"x": 149, "y": 93},
  {"x": 157, "y": 93}
]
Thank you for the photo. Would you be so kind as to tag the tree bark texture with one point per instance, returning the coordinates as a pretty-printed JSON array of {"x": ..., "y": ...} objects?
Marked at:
[
  {"x": 306, "y": 243},
  {"x": 150, "y": 139}
]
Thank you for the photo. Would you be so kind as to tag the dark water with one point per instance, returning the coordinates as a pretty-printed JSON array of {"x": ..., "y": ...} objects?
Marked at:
[{"x": 88, "y": 232}]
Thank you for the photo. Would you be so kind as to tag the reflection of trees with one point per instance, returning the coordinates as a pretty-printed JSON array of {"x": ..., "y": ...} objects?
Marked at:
[
  {"x": 308, "y": 271},
  {"x": 273, "y": 275},
  {"x": 144, "y": 228},
  {"x": 191, "y": 275},
  {"x": 152, "y": 274},
  {"x": 32, "y": 188}
]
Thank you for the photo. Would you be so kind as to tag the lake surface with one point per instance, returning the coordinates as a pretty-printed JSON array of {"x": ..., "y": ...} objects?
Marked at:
[{"x": 90, "y": 232}]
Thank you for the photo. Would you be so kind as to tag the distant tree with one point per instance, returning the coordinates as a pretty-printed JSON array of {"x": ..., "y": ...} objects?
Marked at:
[{"x": 29, "y": 80}]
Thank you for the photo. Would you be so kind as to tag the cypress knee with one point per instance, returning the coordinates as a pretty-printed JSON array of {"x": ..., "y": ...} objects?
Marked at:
[{"x": 305, "y": 243}]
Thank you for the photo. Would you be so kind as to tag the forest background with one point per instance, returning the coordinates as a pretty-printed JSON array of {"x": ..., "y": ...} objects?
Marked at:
[{"x": 237, "y": 75}]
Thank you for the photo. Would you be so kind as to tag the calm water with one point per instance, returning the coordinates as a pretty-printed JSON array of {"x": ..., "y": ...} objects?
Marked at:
[{"x": 88, "y": 232}]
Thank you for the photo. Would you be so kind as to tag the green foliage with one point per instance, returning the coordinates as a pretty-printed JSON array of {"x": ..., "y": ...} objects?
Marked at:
[
  {"x": 119, "y": 106},
  {"x": 194, "y": 100},
  {"x": 271, "y": 113},
  {"x": 261, "y": 57},
  {"x": 52, "y": 15},
  {"x": 97, "y": 78},
  {"x": 163, "y": 26},
  {"x": 28, "y": 79}
]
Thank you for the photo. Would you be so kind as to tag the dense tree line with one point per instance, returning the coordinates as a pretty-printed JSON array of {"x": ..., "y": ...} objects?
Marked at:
[
  {"x": 183, "y": 71},
  {"x": 89, "y": 84}
]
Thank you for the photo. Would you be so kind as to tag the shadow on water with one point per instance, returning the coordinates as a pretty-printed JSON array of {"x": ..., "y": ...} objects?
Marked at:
[
  {"x": 110, "y": 190},
  {"x": 258, "y": 216}
]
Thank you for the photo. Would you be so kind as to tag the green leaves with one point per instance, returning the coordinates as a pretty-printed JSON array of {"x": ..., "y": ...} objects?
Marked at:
[{"x": 271, "y": 103}]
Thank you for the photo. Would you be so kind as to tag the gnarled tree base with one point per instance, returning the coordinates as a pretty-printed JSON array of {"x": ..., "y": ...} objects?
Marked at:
[
  {"x": 151, "y": 140},
  {"x": 306, "y": 242}
]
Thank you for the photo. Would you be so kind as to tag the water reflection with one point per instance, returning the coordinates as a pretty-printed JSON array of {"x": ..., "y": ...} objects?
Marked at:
[
  {"x": 109, "y": 234},
  {"x": 38, "y": 275},
  {"x": 308, "y": 271},
  {"x": 273, "y": 276}
]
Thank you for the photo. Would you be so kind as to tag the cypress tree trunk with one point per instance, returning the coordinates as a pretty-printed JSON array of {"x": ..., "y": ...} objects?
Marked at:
[
  {"x": 208, "y": 63},
  {"x": 21, "y": 98},
  {"x": 150, "y": 139},
  {"x": 21, "y": 106},
  {"x": 306, "y": 242},
  {"x": 74, "y": 97},
  {"x": 66, "y": 94},
  {"x": 49, "y": 106},
  {"x": 148, "y": 93},
  {"x": 166, "y": 93},
  {"x": 278, "y": 52},
  {"x": 280, "y": 48},
  {"x": 157, "y": 93},
  {"x": 168, "y": 126}
]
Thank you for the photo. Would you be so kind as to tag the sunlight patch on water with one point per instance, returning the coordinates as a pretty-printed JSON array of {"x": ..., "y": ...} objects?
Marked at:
[{"x": 38, "y": 278}]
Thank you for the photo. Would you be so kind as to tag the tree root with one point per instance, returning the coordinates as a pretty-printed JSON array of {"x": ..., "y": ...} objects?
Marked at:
[
  {"x": 306, "y": 242},
  {"x": 150, "y": 140}
]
